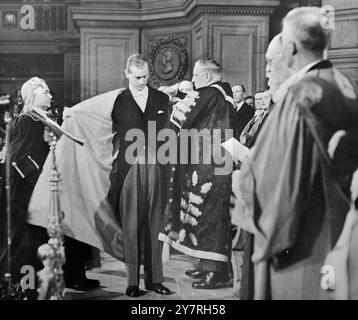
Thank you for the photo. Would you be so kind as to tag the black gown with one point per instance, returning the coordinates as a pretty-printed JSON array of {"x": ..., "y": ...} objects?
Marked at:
[{"x": 28, "y": 150}]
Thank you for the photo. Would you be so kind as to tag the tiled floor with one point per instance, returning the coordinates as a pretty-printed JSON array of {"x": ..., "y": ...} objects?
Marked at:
[{"x": 112, "y": 275}]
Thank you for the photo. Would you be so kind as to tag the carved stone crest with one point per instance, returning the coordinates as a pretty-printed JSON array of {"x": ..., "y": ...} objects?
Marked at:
[{"x": 168, "y": 60}]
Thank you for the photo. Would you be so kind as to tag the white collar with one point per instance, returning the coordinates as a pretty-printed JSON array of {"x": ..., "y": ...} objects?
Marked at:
[
  {"x": 282, "y": 90},
  {"x": 239, "y": 105},
  {"x": 136, "y": 93}
]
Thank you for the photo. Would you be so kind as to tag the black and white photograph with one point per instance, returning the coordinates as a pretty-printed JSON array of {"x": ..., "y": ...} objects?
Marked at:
[{"x": 178, "y": 154}]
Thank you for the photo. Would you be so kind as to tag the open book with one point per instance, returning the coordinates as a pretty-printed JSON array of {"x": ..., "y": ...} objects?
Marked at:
[
  {"x": 236, "y": 149},
  {"x": 42, "y": 116}
]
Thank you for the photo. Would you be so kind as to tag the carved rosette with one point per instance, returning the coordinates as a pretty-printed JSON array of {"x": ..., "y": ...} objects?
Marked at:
[{"x": 168, "y": 60}]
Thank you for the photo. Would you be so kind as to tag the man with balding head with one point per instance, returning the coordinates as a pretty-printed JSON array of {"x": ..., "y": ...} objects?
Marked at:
[
  {"x": 199, "y": 210},
  {"x": 298, "y": 195}
]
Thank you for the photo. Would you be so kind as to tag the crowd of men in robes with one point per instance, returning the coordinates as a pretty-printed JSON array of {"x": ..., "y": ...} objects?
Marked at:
[
  {"x": 296, "y": 182},
  {"x": 291, "y": 192}
]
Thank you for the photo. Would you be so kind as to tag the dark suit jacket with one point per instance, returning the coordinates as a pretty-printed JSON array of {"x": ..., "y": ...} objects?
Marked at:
[
  {"x": 127, "y": 115},
  {"x": 243, "y": 116}
]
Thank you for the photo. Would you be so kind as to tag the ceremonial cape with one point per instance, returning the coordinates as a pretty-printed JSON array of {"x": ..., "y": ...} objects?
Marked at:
[{"x": 84, "y": 185}]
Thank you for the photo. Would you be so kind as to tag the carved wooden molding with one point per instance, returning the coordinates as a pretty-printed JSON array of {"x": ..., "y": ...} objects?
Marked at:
[
  {"x": 254, "y": 11},
  {"x": 142, "y": 20},
  {"x": 108, "y": 24}
]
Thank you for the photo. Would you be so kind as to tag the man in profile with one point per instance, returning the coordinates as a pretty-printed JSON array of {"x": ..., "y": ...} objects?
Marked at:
[
  {"x": 199, "y": 210},
  {"x": 298, "y": 195},
  {"x": 276, "y": 72}
]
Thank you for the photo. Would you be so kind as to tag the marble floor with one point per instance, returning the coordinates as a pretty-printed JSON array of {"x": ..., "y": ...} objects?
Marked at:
[{"x": 112, "y": 275}]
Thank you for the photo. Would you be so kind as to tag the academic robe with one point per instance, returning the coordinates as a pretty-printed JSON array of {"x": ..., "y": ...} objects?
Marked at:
[
  {"x": 199, "y": 213},
  {"x": 298, "y": 206},
  {"x": 28, "y": 150}
]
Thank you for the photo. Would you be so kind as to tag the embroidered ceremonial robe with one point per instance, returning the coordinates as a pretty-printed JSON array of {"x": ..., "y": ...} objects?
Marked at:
[{"x": 199, "y": 209}]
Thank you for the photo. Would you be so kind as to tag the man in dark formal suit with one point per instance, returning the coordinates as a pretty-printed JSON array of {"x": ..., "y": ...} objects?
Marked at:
[
  {"x": 244, "y": 112},
  {"x": 136, "y": 191}
]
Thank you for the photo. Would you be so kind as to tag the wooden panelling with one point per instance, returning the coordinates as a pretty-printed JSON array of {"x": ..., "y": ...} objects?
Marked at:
[
  {"x": 104, "y": 55},
  {"x": 72, "y": 79},
  {"x": 238, "y": 44}
]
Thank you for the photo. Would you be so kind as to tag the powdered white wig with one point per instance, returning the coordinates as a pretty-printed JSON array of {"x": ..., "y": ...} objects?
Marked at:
[{"x": 28, "y": 91}]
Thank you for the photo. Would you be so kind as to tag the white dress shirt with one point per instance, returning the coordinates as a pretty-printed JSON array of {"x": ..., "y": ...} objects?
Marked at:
[{"x": 140, "y": 97}]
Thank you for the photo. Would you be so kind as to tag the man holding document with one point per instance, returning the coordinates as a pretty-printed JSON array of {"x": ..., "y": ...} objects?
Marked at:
[{"x": 276, "y": 72}]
